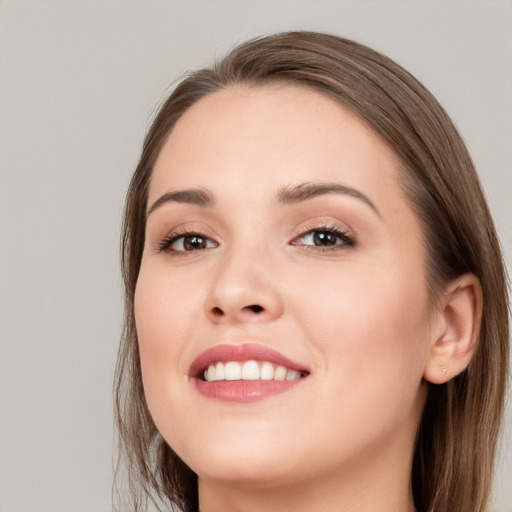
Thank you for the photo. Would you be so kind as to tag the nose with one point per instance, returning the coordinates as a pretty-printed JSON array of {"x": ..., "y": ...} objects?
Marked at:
[{"x": 244, "y": 288}]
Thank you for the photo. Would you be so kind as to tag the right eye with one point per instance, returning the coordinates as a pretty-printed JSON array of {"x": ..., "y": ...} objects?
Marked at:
[{"x": 186, "y": 242}]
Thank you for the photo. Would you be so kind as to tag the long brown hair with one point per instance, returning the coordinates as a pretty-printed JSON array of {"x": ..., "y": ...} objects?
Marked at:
[{"x": 453, "y": 459}]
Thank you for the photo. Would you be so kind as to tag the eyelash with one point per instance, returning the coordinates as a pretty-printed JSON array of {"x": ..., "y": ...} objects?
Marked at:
[
  {"x": 171, "y": 238},
  {"x": 346, "y": 239}
]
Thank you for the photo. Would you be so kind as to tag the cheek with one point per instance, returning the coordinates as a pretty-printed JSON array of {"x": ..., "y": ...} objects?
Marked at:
[
  {"x": 371, "y": 324},
  {"x": 164, "y": 318},
  {"x": 165, "y": 309},
  {"x": 372, "y": 332}
]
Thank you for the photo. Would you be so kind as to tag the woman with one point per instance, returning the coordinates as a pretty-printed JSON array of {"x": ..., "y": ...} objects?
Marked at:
[{"x": 316, "y": 308}]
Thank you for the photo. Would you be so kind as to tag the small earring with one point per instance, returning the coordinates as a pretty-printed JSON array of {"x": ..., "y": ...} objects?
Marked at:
[{"x": 443, "y": 370}]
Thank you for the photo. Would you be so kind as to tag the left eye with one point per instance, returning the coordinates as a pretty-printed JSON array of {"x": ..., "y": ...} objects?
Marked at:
[
  {"x": 189, "y": 242},
  {"x": 325, "y": 238}
]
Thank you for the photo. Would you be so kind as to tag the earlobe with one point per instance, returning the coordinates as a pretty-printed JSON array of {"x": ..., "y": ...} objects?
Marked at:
[{"x": 458, "y": 328}]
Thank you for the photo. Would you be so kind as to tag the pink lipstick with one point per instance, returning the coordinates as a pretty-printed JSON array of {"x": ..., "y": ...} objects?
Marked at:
[{"x": 244, "y": 373}]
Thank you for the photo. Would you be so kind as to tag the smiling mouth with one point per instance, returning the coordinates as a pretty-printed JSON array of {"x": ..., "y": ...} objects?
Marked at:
[
  {"x": 244, "y": 373},
  {"x": 249, "y": 371}
]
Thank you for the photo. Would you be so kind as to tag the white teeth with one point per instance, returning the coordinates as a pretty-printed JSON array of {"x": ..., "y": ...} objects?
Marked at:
[
  {"x": 292, "y": 375},
  {"x": 280, "y": 373},
  {"x": 267, "y": 371},
  {"x": 219, "y": 371},
  {"x": 249, "y": 370},
  {"x": 232, "y": 371},
  {"x": 210, "y": 374}
]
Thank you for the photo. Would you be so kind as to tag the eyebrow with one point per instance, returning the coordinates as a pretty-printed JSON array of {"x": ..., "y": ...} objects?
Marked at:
[
  {"x": 198, "y": 197},
  {"x": 286, "y": 195},
  {"x": 304, "y": 191}
]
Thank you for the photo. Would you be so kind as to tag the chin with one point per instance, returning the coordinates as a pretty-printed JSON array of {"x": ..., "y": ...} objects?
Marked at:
[{"x": 244, "y": 459}]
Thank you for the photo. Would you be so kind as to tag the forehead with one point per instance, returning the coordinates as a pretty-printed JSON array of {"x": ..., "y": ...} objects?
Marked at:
[{"x": 272, "y": 136}]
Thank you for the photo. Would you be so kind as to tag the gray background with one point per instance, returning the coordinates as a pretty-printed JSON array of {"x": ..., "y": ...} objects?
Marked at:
[{"x": 78, "y": 81}]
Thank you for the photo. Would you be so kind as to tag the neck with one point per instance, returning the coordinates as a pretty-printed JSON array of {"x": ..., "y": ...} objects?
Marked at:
[{"x": 299, "y": 500}]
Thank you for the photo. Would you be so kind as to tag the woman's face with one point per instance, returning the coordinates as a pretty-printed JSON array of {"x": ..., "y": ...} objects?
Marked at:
[{"x": 280, "y": 244}]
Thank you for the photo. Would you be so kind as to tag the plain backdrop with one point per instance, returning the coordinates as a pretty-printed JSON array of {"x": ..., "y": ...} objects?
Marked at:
[{"x": 78, "y": 83}]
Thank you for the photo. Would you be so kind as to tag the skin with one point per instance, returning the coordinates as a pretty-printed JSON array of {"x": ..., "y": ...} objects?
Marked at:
[{"x": 357, "y": 317}]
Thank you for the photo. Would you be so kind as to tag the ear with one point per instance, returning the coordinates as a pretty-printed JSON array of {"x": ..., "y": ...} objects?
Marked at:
[{"x": 455, "y": 330}]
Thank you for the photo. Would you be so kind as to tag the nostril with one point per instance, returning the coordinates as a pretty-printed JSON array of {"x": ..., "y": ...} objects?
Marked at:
[
  {"x": 255, "y": 308},
  {"x": 217, "y": 311}
]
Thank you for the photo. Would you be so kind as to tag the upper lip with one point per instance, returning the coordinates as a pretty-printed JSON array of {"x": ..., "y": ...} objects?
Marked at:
[{"x": 244, "y": 352}]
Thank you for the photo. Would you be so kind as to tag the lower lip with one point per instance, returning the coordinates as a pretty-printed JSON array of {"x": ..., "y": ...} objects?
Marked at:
[{"x": 244, "y": 390}]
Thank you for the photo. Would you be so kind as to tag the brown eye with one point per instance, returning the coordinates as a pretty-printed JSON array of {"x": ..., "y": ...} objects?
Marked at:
[
  {"x": 188, "y": 242},
  {"x": 324, "y": 238},
  {"x": 194, "y": 242},
  {"x": 328, "y": 238}
]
